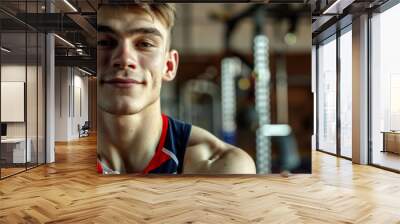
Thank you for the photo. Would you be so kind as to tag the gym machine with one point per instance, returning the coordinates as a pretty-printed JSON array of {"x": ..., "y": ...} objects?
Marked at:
[
  {"x": 231, "y": 67},
  {"x": 194, "y": 111}
]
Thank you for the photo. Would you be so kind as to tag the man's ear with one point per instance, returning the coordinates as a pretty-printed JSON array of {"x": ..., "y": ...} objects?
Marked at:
[{"x": 171, "y": 65}]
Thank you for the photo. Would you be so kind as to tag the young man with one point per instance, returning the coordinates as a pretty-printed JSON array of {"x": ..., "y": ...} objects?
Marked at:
[{"x": 134, "y": 58}]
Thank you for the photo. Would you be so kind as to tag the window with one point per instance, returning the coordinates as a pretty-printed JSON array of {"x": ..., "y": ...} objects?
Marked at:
[
  {"x": 385, "y": 88},
  {"x": 22, "y": 77},
  {"x": 346, "y": 92},
  {"x": 327, "y": 96}
]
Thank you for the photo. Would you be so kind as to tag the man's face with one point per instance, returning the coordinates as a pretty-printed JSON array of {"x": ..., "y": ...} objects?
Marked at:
[{"x": 132, "y": 60}]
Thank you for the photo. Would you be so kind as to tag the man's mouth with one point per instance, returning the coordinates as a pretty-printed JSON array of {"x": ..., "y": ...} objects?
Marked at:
[{"x": 123, "y": 82}]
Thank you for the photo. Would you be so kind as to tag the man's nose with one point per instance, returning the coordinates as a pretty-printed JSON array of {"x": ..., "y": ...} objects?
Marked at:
[{"x": 124, "y": 57}]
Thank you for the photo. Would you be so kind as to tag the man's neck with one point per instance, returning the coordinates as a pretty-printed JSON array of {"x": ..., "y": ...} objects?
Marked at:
[{"x": 128, "y": 142}]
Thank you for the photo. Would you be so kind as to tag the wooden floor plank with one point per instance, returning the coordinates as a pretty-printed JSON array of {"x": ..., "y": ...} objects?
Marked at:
[{"x": 70, "y": 191}]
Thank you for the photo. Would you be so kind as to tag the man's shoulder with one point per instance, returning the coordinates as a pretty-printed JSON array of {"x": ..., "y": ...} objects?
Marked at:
[{"x": 207, "y": 153}]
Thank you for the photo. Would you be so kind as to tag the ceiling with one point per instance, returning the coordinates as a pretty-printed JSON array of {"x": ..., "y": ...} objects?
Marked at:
[
  {"x": 327, "y": 14},
  {"x": 76, "y": 24}
]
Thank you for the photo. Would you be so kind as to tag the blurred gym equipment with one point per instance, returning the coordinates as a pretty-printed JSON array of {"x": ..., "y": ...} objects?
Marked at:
[
  {"x": 198, "y": 97},
  {"x": 263, "y": 76},
  {"x": 230, "y": 69},
  {"x": 282, "y": 134}
]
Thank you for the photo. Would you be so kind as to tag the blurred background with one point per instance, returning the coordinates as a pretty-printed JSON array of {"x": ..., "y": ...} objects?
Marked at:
[{"x": 216, "y": 83}]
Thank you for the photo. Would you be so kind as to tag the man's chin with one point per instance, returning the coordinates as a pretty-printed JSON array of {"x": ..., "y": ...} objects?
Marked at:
[{"x": 122, "y": 110}]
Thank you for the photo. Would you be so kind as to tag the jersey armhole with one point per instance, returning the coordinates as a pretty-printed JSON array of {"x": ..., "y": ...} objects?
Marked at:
[{"x": 187, "y": 129}]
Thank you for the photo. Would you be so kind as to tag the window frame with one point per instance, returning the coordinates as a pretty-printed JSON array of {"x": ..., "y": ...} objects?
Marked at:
[{"x": 346, "y": 26}]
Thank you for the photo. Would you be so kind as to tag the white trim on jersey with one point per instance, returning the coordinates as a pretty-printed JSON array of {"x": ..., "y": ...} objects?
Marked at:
[{"x": 172, "y": 155}]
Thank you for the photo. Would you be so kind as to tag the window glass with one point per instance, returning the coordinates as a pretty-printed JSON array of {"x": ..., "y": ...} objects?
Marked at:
[
  {"x": 385, "y": 87},
  {"x": 327, "y": 96},
  {"x": 345, "y": 94}
]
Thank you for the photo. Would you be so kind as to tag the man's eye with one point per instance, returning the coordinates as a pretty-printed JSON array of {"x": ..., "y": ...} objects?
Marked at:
[
  {"x": 145, "y": 44},
  {"x": 107, "y": 43}
]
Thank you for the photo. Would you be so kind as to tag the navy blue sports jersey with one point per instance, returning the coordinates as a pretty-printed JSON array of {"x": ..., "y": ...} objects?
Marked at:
[{"x": 170, "y": 152}]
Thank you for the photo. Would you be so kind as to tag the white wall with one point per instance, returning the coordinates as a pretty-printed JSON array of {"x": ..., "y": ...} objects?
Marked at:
[
  {"x": 71, "y": 93},
  {"x": 80, "y": 100},
  {"x": 16, "y": 73},
  {"x": 61, "y": 103},
  {"x": 33, "y": 127}
]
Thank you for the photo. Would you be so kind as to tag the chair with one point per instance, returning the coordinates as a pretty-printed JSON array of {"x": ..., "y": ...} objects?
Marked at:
[{"x": 84, "y": 130}]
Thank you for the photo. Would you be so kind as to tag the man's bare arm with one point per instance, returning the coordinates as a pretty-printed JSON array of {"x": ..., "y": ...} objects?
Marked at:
[{"x": 206, "y": 154}]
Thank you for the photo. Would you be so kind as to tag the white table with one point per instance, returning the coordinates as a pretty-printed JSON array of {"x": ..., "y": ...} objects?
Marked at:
[{"x": 17, "y": 146}]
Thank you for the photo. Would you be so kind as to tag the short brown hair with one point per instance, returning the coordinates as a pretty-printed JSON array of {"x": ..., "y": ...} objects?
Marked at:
[{"x": 165, "y": 12}]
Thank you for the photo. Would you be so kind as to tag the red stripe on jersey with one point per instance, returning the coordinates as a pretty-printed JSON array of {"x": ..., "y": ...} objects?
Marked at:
[
  {"x": 159, "y": 156},
  {"x": 99, "y": 167}
]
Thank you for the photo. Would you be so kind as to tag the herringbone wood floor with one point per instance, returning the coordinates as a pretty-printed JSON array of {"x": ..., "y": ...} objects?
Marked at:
[{"x": 70, "y": 191}]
